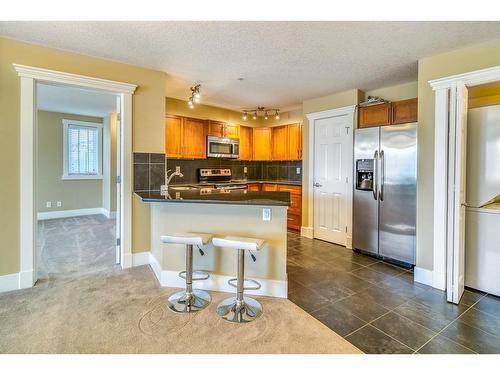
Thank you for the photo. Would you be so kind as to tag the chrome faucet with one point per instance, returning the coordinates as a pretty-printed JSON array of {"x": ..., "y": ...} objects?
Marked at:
[{"x": 169, "y": 178}]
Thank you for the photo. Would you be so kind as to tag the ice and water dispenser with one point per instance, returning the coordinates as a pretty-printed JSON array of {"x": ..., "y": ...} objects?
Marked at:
[{"x": 364, "y": 174}]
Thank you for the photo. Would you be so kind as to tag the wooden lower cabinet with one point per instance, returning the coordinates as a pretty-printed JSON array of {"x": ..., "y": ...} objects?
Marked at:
[
  {"x": 295, "y": 209},
  {"x": 254, "y": 187}
]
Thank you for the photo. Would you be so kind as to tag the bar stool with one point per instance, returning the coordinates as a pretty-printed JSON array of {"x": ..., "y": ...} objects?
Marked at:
[
  {"x": 189, "y": 300},
  {"x": 240, "y": 309}
]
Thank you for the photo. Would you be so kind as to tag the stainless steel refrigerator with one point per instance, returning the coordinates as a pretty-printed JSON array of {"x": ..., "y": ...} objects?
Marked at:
[{"x": 384, "y": 206}]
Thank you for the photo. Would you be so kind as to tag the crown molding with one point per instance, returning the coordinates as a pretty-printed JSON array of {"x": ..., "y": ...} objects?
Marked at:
[
  {"x": 52, "y": 76},
  {"x": 331, "y": 113},
  {"x": 474, "y": 78}
]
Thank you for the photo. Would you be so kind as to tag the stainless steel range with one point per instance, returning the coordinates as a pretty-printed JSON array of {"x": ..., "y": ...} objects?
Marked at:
[{"x": 220, "y": 178}]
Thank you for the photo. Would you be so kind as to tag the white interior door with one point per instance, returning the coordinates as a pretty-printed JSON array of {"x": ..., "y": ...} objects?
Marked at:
[
  {"x": 118, "y": 179},
  {"x": 331, "y": 170},
  {"x": 457, "y": 160}
]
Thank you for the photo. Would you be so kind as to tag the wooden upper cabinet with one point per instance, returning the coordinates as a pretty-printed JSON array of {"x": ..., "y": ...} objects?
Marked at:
[
  {"x": 404, "y": 111},
  {"x": 231, "y": 131},
  {"x": 246, "y": 143},
  {"x": 194, "y": 138},
  {"x": 261, "y": 144},
  {"x": 222, "y": 129},
  {"x": 216, "y": 128},
  {"x": 173, "y": 136},
  {"x": 279, "y": 142},
  {"x": 295, "y": 142},
  {"x": 374, "y": 115}
]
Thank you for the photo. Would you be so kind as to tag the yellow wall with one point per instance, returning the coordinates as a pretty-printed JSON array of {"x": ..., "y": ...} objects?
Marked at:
[
  {"x": 397, "y": 92},
  {"x": 462, "y": 60},
  {"x": 74, "y": 194},
  {"x": 148, "y": 122}
]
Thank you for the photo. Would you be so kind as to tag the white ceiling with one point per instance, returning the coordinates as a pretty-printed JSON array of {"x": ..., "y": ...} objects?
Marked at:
[
  {"x": 283, "y": 63},
  {"x": 74, "y": 100}
]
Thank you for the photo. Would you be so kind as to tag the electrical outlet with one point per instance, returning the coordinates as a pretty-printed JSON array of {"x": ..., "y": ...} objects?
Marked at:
[
  {"x": 266, "y": 214},
  {"x": 245, "y": 169},
  {"x": 59, "y": 203},
  {"x": 297, "y": 170},
  {"x": 178, "y": 169},
  {"x": 48, "y": 204}
]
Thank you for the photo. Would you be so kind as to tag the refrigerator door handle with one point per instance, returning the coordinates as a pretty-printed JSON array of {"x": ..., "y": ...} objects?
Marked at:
[
  {"x": 375, "y": 174},
  {"x": 382, "y": 178}
]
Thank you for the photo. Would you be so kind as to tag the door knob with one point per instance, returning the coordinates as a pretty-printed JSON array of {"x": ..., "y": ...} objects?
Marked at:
[{"x": 317, "y": 184}]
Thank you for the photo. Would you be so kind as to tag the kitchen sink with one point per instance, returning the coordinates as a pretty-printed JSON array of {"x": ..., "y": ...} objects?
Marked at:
[{"x": 183, "y": 187}]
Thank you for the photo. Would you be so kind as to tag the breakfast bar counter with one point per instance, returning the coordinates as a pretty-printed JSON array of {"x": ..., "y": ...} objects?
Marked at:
[{"x": 221, "y": 213}]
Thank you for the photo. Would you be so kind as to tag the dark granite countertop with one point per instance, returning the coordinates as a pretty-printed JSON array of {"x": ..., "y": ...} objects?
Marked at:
[
  {"x": 238, "y": 197},
  {"x": 279, "y": 182}
]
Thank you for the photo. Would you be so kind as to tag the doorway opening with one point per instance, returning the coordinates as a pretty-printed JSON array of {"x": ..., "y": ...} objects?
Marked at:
[
  {"x": 466, "y": 186},
  {"x": 78, "y": 196}
]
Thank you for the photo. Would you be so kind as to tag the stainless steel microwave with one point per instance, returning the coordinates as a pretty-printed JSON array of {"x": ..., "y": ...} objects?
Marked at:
[{"x": 219, "y": 147}]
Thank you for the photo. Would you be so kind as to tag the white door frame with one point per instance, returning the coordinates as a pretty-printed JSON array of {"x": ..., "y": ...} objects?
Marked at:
[
  {"x": 349, "y": 113},
  {"x": 29, "y": 76},
  {"x": 442, "y": 88}
]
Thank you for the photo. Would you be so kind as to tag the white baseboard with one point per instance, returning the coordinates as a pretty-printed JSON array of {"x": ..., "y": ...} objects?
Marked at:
[
  {"x": 70, "y": 213},
  {"x": 26, "y": 279},
  {"x": 168, "y": 278},
  {"x": 9, "y": 282},
  {"x": 109, "y": 214},
  {"x": 438, "y": 280},
  {"x": 423, "y": 276},
  {"x": 348, "y": 242},
  {"x": 306, "y": 232}
]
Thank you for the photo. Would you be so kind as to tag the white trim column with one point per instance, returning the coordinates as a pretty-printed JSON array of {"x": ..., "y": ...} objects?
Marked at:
[
  {"x": 440, "y": 186},
  {"x": 126, "y": 180},
  {"x": 28, "y": 222}
]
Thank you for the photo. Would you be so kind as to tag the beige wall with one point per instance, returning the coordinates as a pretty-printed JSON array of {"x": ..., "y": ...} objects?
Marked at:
[
  {"x": 74, "y": 194},
  {"x": 462, "y": 60},
  {"x": 180, "y": 108},
  {"x": 397, "y": 92},
  {"x": 148, "y": 122}
]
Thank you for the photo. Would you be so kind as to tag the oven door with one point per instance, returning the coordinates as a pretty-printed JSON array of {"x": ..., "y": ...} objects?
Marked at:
[{"x": 218, "y": 147}]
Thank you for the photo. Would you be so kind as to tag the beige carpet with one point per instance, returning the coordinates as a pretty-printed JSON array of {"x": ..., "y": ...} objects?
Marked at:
[
  {"x": 124, "y": 312},
  {"x": 83, "y": 303}
]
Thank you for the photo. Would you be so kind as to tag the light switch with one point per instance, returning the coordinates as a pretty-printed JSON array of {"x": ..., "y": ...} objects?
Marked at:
[
  {"x": 178, "y": 169},
  {"x": 48, "y": 204},
  {"x": 245, "y": 169},
  {"x": 59, "y": 203},
  {"x": 298, "y": 170},
  {"x": 266, "y": 214}
]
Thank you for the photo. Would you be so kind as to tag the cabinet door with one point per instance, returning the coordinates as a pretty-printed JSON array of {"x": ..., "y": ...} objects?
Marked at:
[
  {"x": 279, "y": 142},
  {"x": 216, "y": 128},
  {"x": 231, "y": 131},
  {"x": 295, "y": 142},
  {"x": 173, "y": 136},
  {"x": 375, "y": 115},
  {"x": 269, "y": 187},
  {"x": 246, "y": 143},
  {"x": 254, "y": 187},
  {"x": 194, "y": 138},
  {"x": 404, "y": 111},
  {"x": 261, "y": 144}
]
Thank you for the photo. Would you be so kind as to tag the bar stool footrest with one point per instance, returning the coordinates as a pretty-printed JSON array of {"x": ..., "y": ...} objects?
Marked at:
[
  {"x": 202, "y": 275},
  {"x": 233, "y": 283}
]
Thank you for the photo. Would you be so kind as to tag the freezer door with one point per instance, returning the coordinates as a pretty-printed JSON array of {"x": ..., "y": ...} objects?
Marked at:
[
  {"x": 397, "y": 192},
  {"x": 365, "y": 203}
]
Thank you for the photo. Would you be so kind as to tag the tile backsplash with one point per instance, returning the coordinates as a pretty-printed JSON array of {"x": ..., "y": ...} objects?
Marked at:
[{"x": 149, "y": 170}]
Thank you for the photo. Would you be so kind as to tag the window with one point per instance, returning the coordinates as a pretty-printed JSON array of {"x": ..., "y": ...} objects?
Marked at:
[{"x": 82, "y": 150}]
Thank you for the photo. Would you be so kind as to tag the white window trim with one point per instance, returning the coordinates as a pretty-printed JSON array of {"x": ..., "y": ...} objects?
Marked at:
[{"x": 65, "y": 175}]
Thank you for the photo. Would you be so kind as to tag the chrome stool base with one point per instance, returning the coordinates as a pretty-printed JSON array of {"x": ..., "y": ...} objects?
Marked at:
[
  {"x": 183, "y": 302},
  {"x": 245, "y": 312}
]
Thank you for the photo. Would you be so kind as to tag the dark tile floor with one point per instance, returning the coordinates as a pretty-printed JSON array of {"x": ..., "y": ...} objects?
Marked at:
[{"x": 380, "y": 309}]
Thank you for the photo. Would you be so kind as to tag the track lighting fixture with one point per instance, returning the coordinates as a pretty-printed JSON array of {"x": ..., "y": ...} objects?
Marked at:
[
  {"x": 195, "y": 96},
  {"x": 261, "y": 112}
]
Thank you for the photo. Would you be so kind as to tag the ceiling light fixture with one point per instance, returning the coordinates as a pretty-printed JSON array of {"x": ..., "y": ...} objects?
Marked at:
[
  {"x": 195, "y": 96},
  {"x": 261, "y": 112}
]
